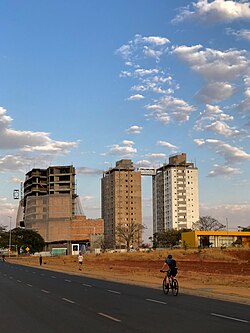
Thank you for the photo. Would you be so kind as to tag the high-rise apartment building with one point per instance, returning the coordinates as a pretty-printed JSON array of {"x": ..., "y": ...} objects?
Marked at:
[
  {"x": 175, "y": 195},
  {"x": 50, "y": 206},
  {"x": 121, "y": 200}
]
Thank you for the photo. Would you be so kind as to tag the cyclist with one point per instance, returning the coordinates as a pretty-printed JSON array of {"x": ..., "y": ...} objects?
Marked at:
[{"x": 171, "y": 263}]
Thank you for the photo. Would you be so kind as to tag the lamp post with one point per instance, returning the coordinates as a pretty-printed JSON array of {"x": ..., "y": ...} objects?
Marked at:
[{"x": 10, "y": 217}]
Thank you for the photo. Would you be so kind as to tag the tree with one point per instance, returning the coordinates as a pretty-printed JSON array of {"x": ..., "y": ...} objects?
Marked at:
[
  {"x": 128, "y": 233},
  {"x": 168, "y": 238},
  {"x": 4, "y": 237},
  {"x": 206, "y": 223},
  {"x": 24, "y": 238}
]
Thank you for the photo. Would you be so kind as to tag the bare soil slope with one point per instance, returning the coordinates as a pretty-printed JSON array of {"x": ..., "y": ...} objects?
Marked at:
[{"x": 223, "y": 274}]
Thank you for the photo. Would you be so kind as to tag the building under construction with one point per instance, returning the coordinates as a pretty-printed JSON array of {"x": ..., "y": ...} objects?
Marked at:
[
  {"x": 51, "y": 206},
  {"x": 121, "y": 202}
]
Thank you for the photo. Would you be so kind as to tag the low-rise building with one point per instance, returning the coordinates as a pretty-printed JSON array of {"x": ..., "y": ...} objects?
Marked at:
[{"x": 201, "y": 239}]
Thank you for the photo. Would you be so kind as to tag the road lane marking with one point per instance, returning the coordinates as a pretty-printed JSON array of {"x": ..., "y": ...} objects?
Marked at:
[
  {"x": 19, "y": 281},
  {"x": 113, "y": 291},
  {"x": 109, "y": 317},
  {"x": 45, "y": 291},
  {"x": 86, "y": 285},
  {"x": 53, "y": 277},
  {"x": 34, "y": 272},
  {"x": 155, "y": 301},
  {"x": 29, "y": 285},
  {"x": 231, "y": 318},
  {"x": 11, "y": 277},
  {"x": 67, "y": 280},
  {"x": 68, "y": 300}
]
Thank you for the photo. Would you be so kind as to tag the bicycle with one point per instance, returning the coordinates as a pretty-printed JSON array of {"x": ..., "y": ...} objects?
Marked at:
[{"x": 170, "y": 282}]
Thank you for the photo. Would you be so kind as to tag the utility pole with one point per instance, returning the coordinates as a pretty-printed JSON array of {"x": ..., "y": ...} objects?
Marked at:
[{"x": 10, "y": 217}]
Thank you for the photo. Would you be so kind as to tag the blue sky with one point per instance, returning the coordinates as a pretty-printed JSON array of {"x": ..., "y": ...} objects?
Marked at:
[{"x": 91, "y": 82}]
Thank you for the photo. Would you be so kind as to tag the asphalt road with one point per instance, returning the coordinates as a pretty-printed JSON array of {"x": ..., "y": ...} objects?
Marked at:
[{"x": 44, "y": 301}]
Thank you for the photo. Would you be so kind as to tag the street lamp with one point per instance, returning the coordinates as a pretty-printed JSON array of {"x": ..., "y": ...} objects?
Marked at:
[{"x": 10, "y": 217}]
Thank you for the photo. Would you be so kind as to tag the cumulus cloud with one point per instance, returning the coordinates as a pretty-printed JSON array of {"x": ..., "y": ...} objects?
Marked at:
[
  {"x": 236, "y": 214},
  {"x": 143, "y": 164},
  {"x": 223, "y": 170},
  {"x": 214, "y": 65},
  {"x": 169, "y": 109},
  {"x": 88, "y": 171},
  {"x": 21, "y": 162},
  {"x": 230, "y": 153},
  {"x": 135, "y": 129},
  {"x": 126, "y": 150},
  {"x": 156, "y": 156},
  {"x": 240, "y": 34},
  {"x": 215, "y": 120},
  {"x": 167, "y": 145},
  {"x": 214, "y": 92},
  {"x": 136, "y": 97},
  {"x": 214, "y": 11},
  {"x": 29, "y": 141}
]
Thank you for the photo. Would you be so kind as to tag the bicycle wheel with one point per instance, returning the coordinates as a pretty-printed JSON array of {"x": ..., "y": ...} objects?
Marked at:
[
  {"x": 175, "y": 287},
  {"x": 165, "y": 286}
]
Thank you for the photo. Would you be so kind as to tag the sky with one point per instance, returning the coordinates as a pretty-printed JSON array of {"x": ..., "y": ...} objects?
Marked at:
[{"x": 90, "y": 82}]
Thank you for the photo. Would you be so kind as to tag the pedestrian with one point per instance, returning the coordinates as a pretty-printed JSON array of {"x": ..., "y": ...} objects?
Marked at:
[
  {"x": 40, "y": 260},
  {"x": 80, "y": 261},
  {"x": 3, "y": 257}
]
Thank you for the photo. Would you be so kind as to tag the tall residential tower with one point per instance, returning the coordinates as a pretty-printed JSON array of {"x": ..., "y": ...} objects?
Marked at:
[
  {"x": 175, "y": 195},
  {"x": 121, "y": 200}
]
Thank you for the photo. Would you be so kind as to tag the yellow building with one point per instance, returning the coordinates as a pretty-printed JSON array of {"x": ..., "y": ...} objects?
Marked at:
[{"x": 195, "y": 239}]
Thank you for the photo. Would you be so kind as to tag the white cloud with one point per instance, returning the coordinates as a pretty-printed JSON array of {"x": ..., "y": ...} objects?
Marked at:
[
  {"x": 125, "y": 151},
  {"x": 240, "y": 34},
  {"x": 136, "y": 97},
  {"x": 155, "y": 156},
  {"x": 215, "y": 65},
  {"x": 222, "y": 128},
  {"x": 169, "y": 109},
  {"x": 134, "y": 129},
  {"x": 143, "y": 164},
  {"x": 21, "y": 162},
  {"x": 156, "y": 40},
  {"x": 215, "y": 92},
  {"x": 128, "y": 142},
  {"x": 236, "y": 214},
  {"x": 88, "y": 171},
  {"x": 223, "y": 170},
  {"x": 167, "y": 145},
  {"x": 215, "y": 11},
  {"x": 230, "y": 153},
  {"x": 143, "y": 72},
  {"x": 29, "y": 141}
]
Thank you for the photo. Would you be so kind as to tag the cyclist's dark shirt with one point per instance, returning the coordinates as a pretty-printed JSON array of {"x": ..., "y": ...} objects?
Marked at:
[{"x": 171, "y": 263}]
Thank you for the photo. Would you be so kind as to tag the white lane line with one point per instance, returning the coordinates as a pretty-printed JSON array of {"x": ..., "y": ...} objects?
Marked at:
[
  {"x": 34, "y": 272},
  {"x": 155, "y": 301},
  {"x": 113, "y": 291},
  {"x": 29, "y": 285},
  {"x": 231, "y": 318},
  {"x": 109, "y": 317},
  {"x": 42, "y": 274},
  {"x": 11, "y": 277},
  {"x": 53, "y": 277},
  {"x": 45, "y": 291},
  {"x": 86, "y": 285},
  {"x": 68, "y": 300},
  {"x": 19, "y": 281},
  {"x": 67, "y": 280}
]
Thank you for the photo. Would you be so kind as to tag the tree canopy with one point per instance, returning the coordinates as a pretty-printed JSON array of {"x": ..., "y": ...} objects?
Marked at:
[
  {"x": 128, "y": 232},
  {"x": 206, "y": 223},
  {"x": 168, "y": 238},
  {"x": 23, "y": 238}
]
